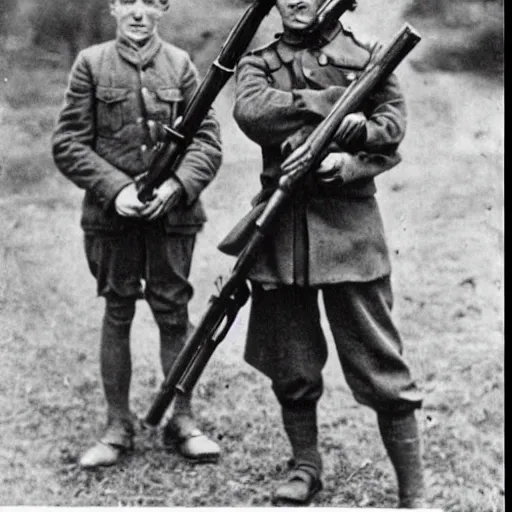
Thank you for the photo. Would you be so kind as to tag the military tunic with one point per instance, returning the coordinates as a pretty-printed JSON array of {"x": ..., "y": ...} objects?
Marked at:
[
  {"x": 283, "y": 89},
  {"x": 101, "y": 141},
  {"x": 100, "y": 138}
]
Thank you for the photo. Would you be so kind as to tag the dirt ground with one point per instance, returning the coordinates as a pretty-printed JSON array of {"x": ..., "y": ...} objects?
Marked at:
[{"x": 443, "y": 210}]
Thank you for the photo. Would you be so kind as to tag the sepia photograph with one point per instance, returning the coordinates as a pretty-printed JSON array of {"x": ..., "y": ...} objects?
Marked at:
[{"x": 252, "y": 254}]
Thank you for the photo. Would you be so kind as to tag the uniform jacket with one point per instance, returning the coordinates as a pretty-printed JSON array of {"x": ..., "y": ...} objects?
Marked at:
[
  {"x": 328, "y": 234},
  {"x": 101, "y": 134}
]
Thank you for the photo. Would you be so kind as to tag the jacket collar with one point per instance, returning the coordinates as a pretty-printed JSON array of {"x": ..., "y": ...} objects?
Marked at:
[
  {"x": 139, "y": 56},
  {"x": 290, "y": 42}
]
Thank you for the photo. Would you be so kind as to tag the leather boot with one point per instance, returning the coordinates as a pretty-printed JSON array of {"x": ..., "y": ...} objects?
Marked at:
[
  {"x": 300, "y": 488},
  {"x": 182, "y": 434},
  {"x": 117, "y": 440}
]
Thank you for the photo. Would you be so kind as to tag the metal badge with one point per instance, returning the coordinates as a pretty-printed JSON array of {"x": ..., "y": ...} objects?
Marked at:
[{"x": 350, "y": 76}]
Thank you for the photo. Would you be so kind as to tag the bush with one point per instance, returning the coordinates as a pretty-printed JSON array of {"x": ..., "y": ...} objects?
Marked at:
[
  {"x": 481, "y": 53},
  {"x": 425, "y": 8},
  {"x": 469, "y": 34},
  {"x": 71, "y": 23},
  {"x": 456, "y": 13},
  {"x": 23, "y": 171},
  {"x": 7, "y": 8}
]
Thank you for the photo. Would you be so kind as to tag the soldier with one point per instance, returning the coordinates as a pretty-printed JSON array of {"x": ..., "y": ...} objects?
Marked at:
[
  {"x": 119, "y": 94},
  {"x": 330, "y": 239}
]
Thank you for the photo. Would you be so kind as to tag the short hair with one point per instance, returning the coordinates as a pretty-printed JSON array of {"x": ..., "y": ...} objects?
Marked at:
[{"x": 164, "y": 4}]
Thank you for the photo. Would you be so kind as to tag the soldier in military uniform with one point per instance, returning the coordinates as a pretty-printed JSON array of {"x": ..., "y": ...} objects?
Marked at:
[
  {"x": 330, "y": 239},
  {"x": 119, "y": 95}
]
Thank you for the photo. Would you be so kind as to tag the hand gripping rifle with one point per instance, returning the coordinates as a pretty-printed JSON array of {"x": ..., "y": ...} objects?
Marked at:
[
  {"x": 168, "y": 154},
  {"x": 224, "y": 307}
]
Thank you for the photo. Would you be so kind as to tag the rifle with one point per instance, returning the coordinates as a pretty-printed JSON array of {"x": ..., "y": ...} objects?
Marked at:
[
  {"x": 168, "y": 153},
  {"x": 329, "y": 13},
  {"x": 232, "y": 296}
]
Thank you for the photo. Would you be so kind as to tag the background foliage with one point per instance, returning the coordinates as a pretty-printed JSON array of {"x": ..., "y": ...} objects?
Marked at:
[
  {"x": 470, "y": 33},
  {"x": 443, "y": 209},
  {"x": 68, "y": 25}
]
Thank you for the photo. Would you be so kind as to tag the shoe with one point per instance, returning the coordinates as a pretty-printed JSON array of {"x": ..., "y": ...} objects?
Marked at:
[
  {"x": 108, "y": 450},
  {"x": 182, "y": 434},
  {"x": 101, "y": 454},
  {"x": 300, "y": 488}
]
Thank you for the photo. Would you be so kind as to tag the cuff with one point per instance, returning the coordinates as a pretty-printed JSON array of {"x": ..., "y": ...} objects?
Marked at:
[
  {"x": 106, "y": 192},
  {"x": 190, "y": 189},
  {"x": 367, "y": 165}
]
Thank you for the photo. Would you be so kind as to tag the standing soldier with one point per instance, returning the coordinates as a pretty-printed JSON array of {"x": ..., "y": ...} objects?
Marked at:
[
  {"x": 330, "y": 239},
  {"x": 119, "y": 94}
]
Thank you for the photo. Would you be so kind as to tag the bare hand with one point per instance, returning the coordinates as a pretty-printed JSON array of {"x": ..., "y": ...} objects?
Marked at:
[
  {"x": 352, "y": 129},
  {"x": 295, "y": 140},
  {"x": 165, "y": 197},
  {"x": 127, "y": 203},
  {"x": 300, "y": 159},
  {"x": 331, "y": 168}
]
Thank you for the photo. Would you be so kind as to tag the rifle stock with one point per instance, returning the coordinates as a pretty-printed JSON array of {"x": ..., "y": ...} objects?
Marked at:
[{"x": 224, "y": 307}]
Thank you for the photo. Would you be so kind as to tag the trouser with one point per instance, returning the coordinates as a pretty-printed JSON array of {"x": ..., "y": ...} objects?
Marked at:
[
  {"x": 286, "y": 342},
  {"x": 142, "y": 263}
]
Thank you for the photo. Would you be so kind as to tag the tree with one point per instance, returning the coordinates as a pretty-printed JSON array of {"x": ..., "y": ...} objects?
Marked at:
[
  {"x": 71, "y": 23},
  {"x": 7, "y": 8}
]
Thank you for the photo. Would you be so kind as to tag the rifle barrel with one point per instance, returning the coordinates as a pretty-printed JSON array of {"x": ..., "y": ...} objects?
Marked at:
[
  {"x": 167, "y": 158},
  {"x": 331, "y": 11}
]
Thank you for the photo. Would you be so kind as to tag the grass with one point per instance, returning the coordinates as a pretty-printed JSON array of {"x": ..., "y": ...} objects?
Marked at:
[{"x": 443, "y": 209}]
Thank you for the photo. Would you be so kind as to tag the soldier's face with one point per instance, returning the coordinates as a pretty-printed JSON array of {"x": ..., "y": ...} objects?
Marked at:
[
  {"x": 136, "y": 19},
  {"x": 297, "y": 14}
]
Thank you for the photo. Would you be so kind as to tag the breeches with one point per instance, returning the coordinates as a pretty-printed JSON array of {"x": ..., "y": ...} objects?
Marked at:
[
  {"x": 144, "y": 263},
  {"x": 285, "y": 342}
]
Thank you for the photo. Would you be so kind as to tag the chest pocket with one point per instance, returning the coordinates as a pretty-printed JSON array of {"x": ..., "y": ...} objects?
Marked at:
[
  {"x": 321, "y": 71},
  {"x": 165, "y": 104},
  {"x": 109, "y": 108}
]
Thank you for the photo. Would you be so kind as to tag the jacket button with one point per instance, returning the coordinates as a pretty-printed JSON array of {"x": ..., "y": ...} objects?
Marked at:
[{"x": 322, "y": 59}]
